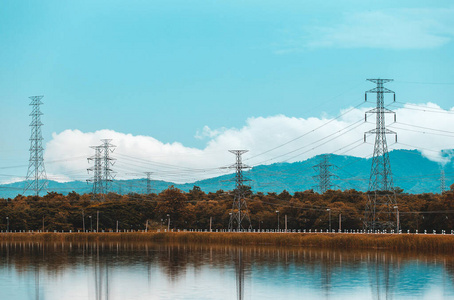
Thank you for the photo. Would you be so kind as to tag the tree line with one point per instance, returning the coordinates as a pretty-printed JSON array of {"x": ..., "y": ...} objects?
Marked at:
[{"x": 194, "y": 210}]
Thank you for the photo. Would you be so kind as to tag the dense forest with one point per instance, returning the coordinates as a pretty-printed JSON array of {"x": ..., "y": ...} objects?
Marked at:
[{"x": 193, "y": 210}]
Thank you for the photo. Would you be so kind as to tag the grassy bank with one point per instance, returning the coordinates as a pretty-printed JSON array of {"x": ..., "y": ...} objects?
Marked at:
[{"x": 403, "y": 242}]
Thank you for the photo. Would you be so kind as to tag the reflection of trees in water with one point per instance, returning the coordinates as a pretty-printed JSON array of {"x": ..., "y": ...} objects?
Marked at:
[
  {"x": 173, "y": 260},
  {"x": 448, "y": 264},
  {"x": 383, "y": 269}
]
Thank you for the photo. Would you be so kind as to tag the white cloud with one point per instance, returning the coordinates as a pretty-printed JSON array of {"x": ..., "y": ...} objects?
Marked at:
[
  {"x": 12, "y": 180},
  {"x": 386, "y": 29},
  {"x": 207, "y": 132},
  {"x": 66, "y": 153}
]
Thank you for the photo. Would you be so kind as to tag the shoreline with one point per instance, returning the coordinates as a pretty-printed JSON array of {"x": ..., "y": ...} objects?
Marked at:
[{"x": 395, "y": 242}]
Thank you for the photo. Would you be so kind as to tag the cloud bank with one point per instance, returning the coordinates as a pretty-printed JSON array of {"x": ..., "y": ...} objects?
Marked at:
[{"x": 269, "y": 140}]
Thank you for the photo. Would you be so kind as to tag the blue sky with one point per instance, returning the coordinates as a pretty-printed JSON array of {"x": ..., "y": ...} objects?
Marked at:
[{"x": 166, "y": 69}]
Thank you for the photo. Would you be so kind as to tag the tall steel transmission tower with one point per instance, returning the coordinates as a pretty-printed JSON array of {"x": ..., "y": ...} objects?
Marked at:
[
  {"x": 36, "y": 179},
  {"x": 108, "y": 162},
  {"x": 239, "y": 211},
  {"x": 323, "y": 178},
  {"x": 97, "y": 172},
  {"x": 379, "y": 212},
  {"x": 442, "y": 182},
  {"x": 102, "y": 172},
  {"x": 148, "y": 182}
]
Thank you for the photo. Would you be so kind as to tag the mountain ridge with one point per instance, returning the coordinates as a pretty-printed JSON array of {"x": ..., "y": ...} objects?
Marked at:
[{"x": 412, "y": 172}]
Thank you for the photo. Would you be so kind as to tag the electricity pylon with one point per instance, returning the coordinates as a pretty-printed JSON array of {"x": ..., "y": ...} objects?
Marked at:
[
  {"x": 442, "y": 182},
  {"x": 108, "y": 162},
  {"x": 102, "y": 172},
  {"x": 381, "y": 198},
  {"x": 36, "y": 179},
  {"x": 323, "y": 178},
  {"x": 239, "y": 211},
  {"x": 148, "y": 182},
  {"x": 97, "y": 172}
]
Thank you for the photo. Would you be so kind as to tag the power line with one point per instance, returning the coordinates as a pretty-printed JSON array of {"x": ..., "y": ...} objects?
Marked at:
[
  {"x": 430, "y": 110},
  {"x": 434, "y": 83},
  {"x": 358, "y": 123},
  {"x": 311, "y": 131},
  {"x": 418, "y": 148},
  {"x": 162, "y": 164},
  {"x": 427, "y": 128},
  {"x": 418, "y": 131}
]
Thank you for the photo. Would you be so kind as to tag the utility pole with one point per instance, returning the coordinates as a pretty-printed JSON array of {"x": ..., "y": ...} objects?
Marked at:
[
  {"x": 285, "y": 223},
  {"x": 397, "y": 217},
  {"x": 340, "y": 222},
  {"x": 329, "y": 213},
  {"x": 381, "y": 195},
  {"x": 36, "y": 179},
  {"x": 83, "y": 220},
  {"x": 278, "y": 228},
  {"x": 239, "y": 207},
  {"x": 323, "y": 178}
]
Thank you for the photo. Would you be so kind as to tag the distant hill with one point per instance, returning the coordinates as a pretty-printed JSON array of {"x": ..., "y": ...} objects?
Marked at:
[{"x": 412, "y": 172}]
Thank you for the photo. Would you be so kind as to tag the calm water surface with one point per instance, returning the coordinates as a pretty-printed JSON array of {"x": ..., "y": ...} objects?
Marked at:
[{"x": 157, "y": 271}]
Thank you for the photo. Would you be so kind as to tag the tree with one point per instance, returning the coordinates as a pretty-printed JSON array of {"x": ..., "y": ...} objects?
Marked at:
[
  {"x": 173, "y": 203},
  {"x": 196, "y": 194}
]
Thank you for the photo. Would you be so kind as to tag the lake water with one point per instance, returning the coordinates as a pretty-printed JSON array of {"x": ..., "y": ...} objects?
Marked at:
[{"x": 163, "y": 271}]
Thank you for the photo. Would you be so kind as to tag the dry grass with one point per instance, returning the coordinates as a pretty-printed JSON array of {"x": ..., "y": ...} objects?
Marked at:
[{"x": 402, "y": 242}]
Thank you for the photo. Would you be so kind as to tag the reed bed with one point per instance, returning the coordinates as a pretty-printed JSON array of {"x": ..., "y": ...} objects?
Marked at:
[{"x": 397, "y": 242}]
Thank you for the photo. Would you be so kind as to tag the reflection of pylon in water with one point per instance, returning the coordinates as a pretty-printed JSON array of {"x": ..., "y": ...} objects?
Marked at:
[
  {"x": 239, "y": 211},
  {"x": 379, "y": 212},
  {"x": 101, "y": 269},
  {"x": 240, "y": 275}
]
